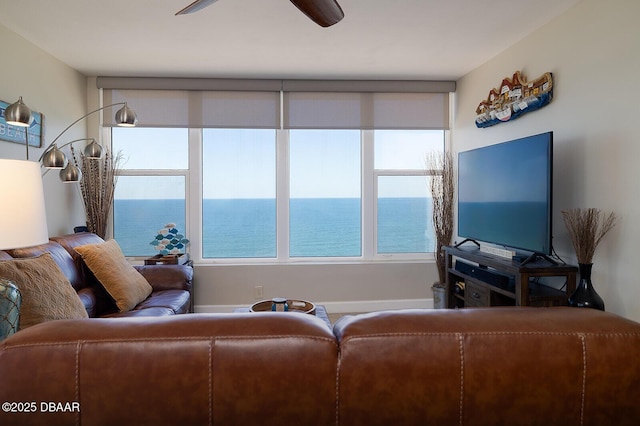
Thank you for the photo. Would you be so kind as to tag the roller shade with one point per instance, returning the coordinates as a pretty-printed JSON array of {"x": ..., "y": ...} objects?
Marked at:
[
  {"x": 181, "y": 108},
  {"x": 307, "y": 104},
  {"x": 341, "y": 110}
]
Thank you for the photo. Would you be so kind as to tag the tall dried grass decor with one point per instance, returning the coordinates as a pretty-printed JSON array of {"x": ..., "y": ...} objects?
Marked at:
[
  {"x": 442, "y": 186},
  {"x": 99, "y": 177},
  {"x": 587, "y": 227}
]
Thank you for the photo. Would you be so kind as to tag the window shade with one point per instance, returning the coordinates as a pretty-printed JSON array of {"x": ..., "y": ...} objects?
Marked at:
[
  {"x": 320, "y": 110},
  {"x": 181, "y": 108},
  {"x": 308, "y": 104}
]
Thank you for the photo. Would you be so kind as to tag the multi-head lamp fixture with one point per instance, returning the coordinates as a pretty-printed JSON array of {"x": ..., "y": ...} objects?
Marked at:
[{"x": 19, "y": 114}]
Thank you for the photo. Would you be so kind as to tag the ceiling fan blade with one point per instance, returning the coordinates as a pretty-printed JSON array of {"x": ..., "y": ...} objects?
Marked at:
[
  {"x": 195, "y": 6},
  {"x": 323, "y": 12}
]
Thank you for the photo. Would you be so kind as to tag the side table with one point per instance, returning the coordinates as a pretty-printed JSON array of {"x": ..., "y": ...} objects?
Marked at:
[{"x": 169, "y": 259}]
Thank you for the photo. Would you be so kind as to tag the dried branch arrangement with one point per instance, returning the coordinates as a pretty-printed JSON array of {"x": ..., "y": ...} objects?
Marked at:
[
  {"x": 586, "y": 228},
  {"x": 99, "y": 177},
  {"x": 442, "y": 186}
]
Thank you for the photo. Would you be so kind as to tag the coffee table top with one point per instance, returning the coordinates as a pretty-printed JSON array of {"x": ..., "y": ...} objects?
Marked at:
[
  {"x": 321, "y": 312},
  {"x": 282, "y": 304}
]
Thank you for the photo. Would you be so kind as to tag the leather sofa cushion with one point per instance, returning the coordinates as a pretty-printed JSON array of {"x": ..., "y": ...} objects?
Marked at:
[
  {"x": 156, "y": 311},
  {"x": 176, "y": 300},
  {"x": 96, "y": 301},
  {"x": 69, "y": 242}
]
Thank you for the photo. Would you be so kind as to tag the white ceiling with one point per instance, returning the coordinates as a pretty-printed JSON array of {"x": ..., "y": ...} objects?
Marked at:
[{"x": 377, "y": 39}]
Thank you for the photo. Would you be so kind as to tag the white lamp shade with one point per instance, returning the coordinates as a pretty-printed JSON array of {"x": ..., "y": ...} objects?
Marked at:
[{"x": 23, "y": 220}]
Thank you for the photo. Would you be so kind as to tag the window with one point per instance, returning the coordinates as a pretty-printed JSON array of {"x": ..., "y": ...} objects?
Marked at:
[
  {"x": 239, "y": 193},
  {"x": 151, "y": 187},
  {"x": 403, "y": 199},
  {"x": 324, "y": 200},
  {"x": 325, "y": 181},
  {"x": 279, "y": 170}
]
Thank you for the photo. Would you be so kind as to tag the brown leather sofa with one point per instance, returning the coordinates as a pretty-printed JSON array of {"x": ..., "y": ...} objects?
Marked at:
[
  {"x": 171, "y": 283},
  {"x": 494, "y": 366}
]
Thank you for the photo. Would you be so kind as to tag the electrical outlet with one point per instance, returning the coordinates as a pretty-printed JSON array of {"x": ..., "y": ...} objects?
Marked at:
[{"x": 257, "y": 292}]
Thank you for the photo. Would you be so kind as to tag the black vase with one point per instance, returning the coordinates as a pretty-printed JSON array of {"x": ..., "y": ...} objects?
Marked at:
[{"x": 585, "y": 295}]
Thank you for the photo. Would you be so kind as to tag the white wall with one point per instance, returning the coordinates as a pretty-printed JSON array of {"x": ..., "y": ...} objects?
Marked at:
[
  {"x": 341, "y": 287},
  {"x": 593, "y": 51},
  {"x": 59, "y": 92}
]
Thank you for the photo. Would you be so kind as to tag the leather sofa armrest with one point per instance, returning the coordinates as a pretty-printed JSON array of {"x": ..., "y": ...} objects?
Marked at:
[{"x": 167, "y": 277}]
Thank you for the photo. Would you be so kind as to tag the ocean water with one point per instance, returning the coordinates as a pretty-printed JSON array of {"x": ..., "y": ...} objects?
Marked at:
[{"x": 247, "y": 227}]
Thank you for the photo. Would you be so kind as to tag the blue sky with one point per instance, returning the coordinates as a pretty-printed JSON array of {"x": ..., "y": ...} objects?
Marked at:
[{"x": 324, "y": 164}]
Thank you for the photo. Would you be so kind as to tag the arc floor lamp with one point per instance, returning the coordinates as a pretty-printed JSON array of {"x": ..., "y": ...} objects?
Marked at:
[{"x": 19, "y": 114}]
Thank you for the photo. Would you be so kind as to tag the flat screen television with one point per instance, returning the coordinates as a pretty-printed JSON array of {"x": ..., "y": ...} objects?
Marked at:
[{"x": 505, "y": 194}]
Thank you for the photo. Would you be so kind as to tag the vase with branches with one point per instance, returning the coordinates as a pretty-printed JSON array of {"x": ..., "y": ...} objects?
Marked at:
[
  {"x": 97, "y": 186},
  {"x": 442, "y": 187},
  {"x": 587, "y": 227}
]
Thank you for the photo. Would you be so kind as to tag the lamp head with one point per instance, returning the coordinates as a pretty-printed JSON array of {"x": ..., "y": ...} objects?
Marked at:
[
  {"x": 54, "y": 158},
  {"x": 18, "y": 114},
  {"x": 93, "y": 150},
  {"x": 126, "y": 117},
  {"x": 70, "y": 174}
]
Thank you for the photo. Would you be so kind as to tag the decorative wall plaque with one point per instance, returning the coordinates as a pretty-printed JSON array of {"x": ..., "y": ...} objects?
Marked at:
[{"x": 515, "y": 97}]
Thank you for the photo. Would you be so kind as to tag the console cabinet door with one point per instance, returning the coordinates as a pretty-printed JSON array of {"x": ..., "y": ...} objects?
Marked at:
[{"x": 476, "y": 294}]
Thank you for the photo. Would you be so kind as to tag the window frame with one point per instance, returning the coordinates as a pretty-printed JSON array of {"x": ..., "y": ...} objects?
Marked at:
[
  {"x": 375, "y": 174},
  {"x": 369, "y": 190},
  {"x": 107, "y": 135}
]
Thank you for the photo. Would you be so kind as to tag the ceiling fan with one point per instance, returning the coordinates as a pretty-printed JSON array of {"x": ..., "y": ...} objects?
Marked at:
[{"x": 323, "y": 12}]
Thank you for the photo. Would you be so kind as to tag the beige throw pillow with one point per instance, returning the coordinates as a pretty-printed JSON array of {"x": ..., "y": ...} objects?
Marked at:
[
  {"x": 46, "y": 292},
  {"x": 124, "y": 284}
]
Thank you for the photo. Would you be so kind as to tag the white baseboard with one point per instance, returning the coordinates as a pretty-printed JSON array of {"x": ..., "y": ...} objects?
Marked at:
[{"x": 341, "y": 307}]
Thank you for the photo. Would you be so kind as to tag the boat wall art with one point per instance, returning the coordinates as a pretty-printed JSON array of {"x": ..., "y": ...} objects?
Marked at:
[{"x": 515, "y": 96}]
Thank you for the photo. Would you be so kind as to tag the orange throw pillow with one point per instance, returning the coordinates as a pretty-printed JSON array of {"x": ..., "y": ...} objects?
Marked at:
[{"x": 124, "y": 284}]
